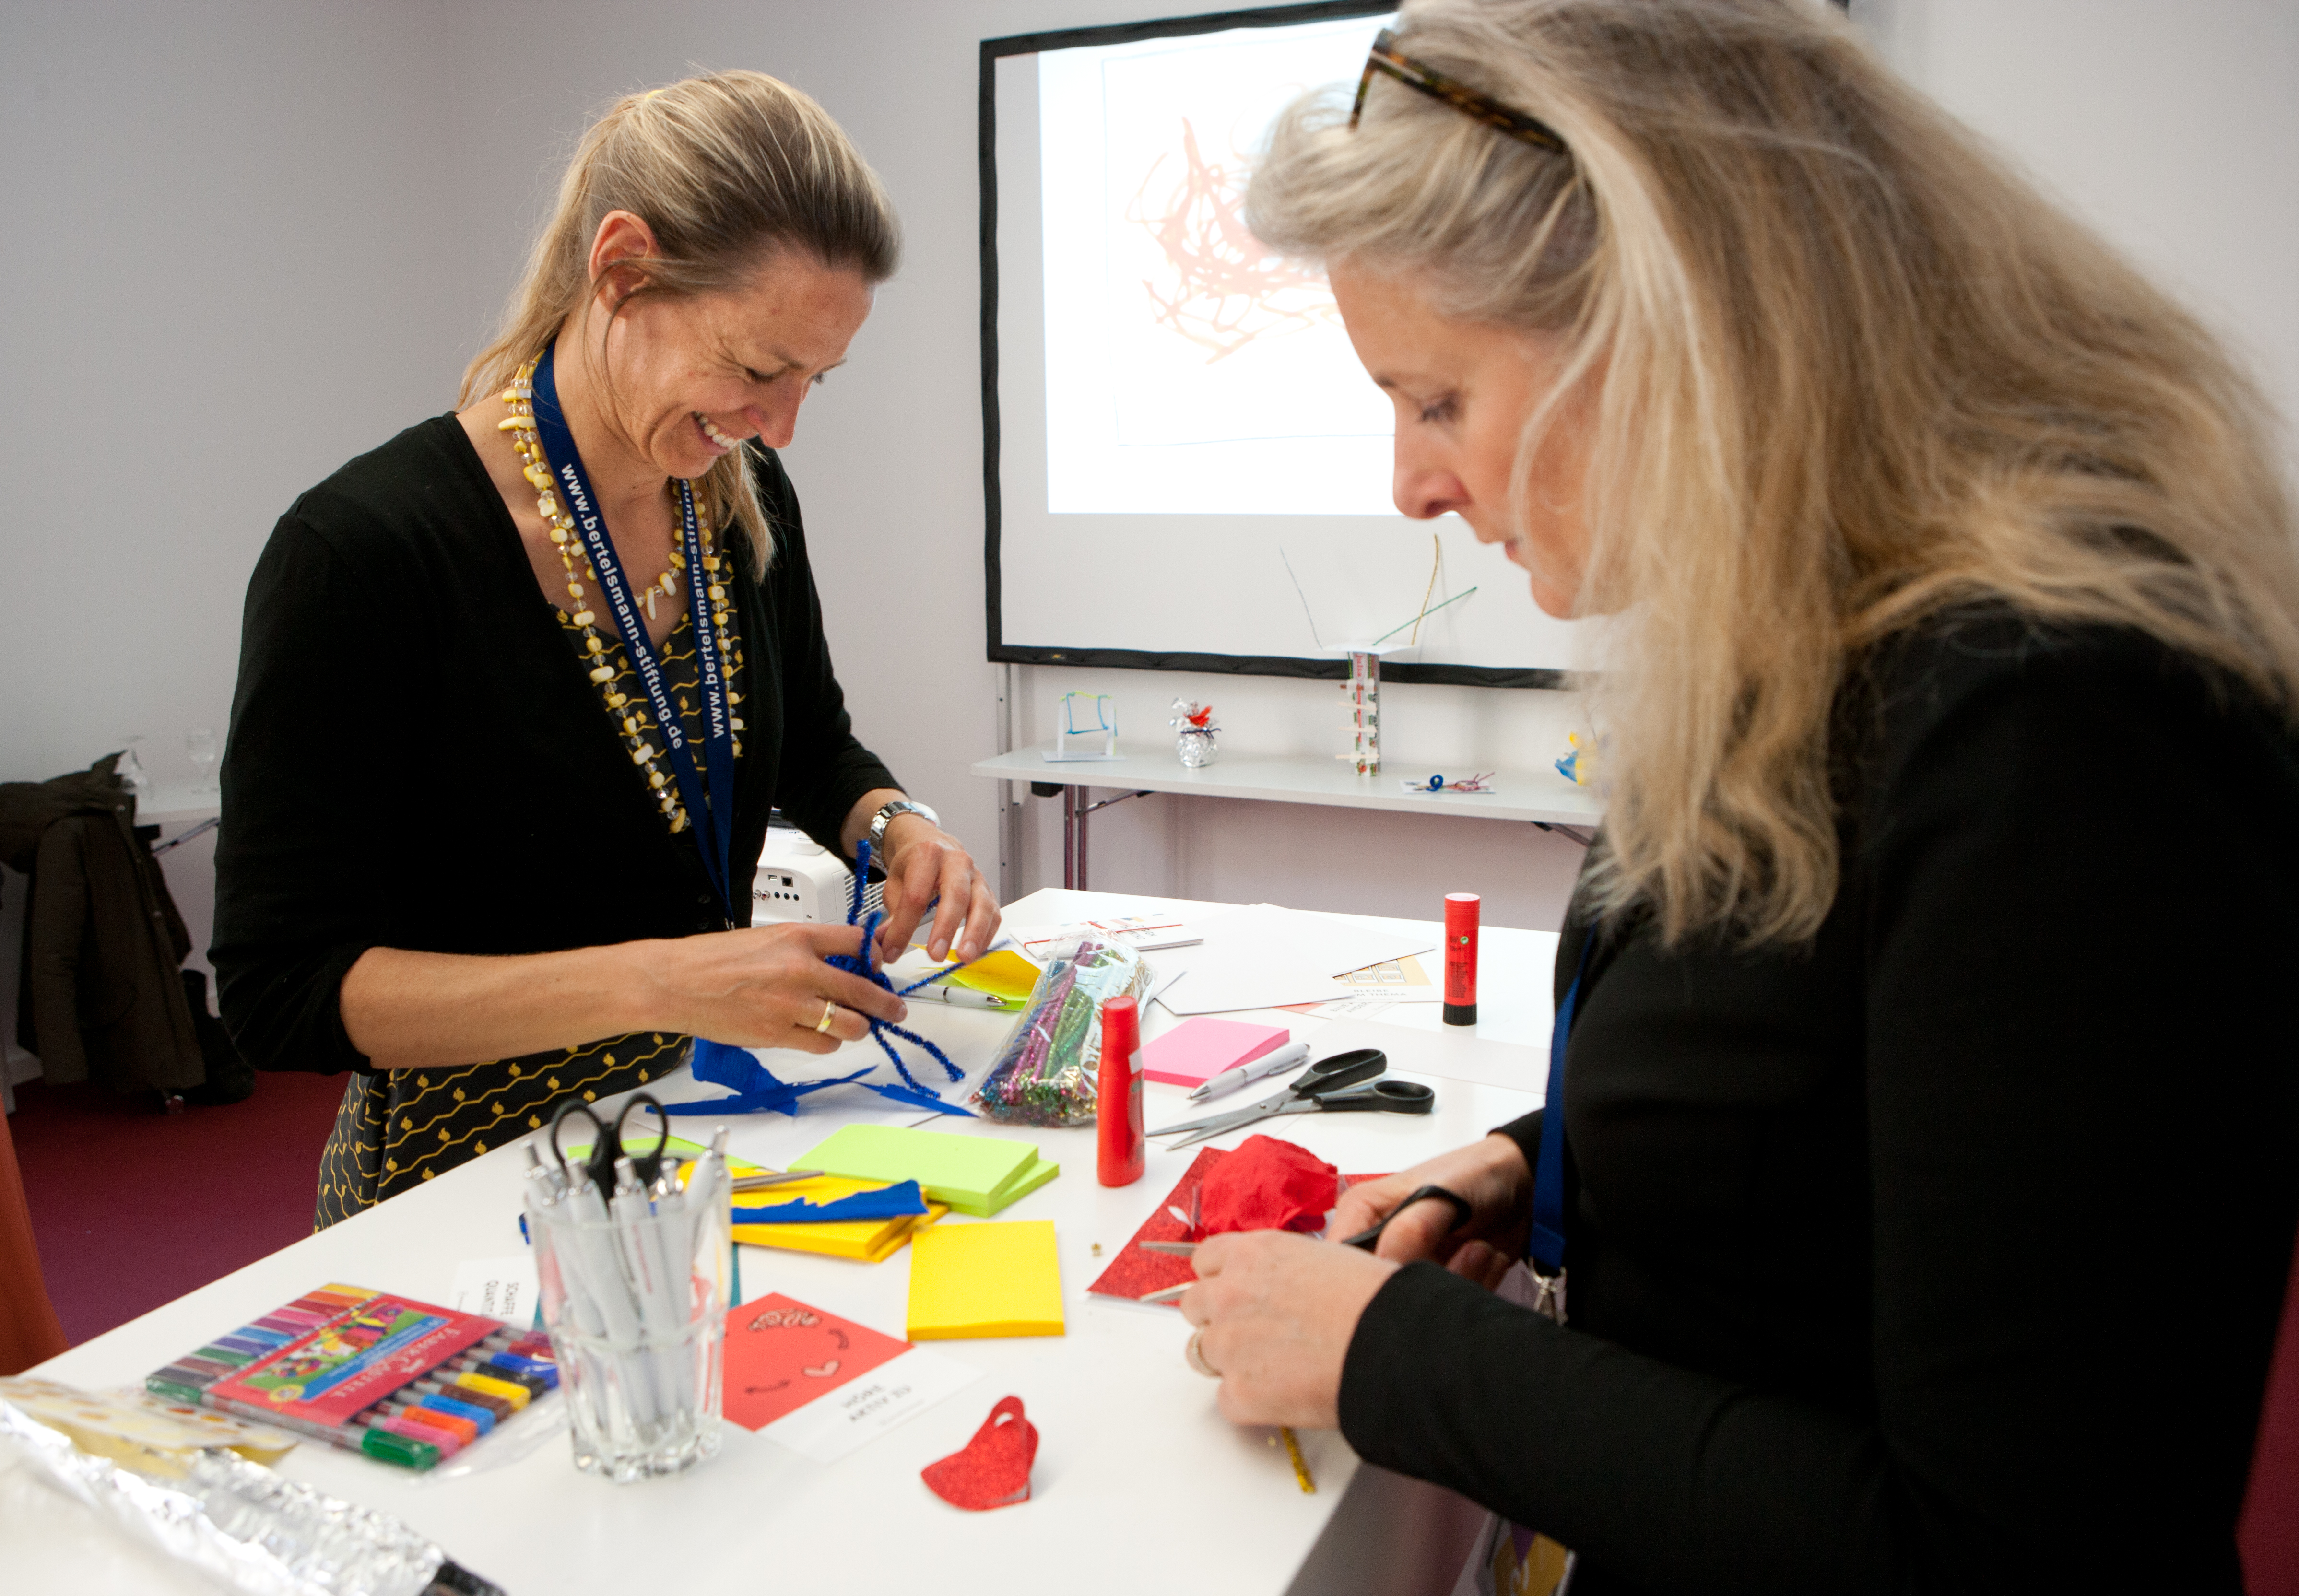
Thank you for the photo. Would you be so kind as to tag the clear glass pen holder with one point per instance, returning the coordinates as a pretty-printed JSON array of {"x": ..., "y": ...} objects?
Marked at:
[{"x": 636, "y": 1310}]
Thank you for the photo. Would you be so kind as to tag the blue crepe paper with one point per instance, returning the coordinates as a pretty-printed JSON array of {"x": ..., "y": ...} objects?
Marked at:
[
  {"x": 756, "y": 1089},
  {"x": 890, "y": 1203}
]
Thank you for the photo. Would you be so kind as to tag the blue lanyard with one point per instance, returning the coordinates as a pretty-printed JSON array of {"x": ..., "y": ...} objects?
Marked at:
[
  {"x": 1547, "y": 1242},
  {"x": 716, "y": 840}
]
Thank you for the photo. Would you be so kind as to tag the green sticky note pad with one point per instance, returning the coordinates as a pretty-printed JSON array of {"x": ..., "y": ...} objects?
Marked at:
[
  {"x": 973, "y": 1174},
  {"x": 979, "y": 1280}
]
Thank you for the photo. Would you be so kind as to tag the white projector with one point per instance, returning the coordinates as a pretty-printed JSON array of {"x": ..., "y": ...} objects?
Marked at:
[{"x": 799, "y": 879}]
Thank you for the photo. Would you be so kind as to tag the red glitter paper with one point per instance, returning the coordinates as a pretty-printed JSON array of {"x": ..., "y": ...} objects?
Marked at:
[
  {"x": 1269, "y": 1184},
  {"x": 1134, "y": 1274},
  {"x": 993, "y": 1471}
]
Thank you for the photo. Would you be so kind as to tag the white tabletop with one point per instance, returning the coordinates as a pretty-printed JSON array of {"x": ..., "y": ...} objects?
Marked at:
[
  {"x": 1139, "y": 1481},
  {"x": 1519, "y": 795}
]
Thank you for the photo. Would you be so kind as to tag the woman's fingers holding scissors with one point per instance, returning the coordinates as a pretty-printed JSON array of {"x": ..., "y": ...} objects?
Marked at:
[
  {"x": 1490, "y": 1174},
  {"x": 1274, "y": 1313}
]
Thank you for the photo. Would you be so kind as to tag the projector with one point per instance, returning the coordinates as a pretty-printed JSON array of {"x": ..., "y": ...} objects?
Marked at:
[{"x": 799, "y": 879}]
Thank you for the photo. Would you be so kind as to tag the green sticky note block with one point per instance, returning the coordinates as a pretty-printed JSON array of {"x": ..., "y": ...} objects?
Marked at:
[{"x": 973, "y": 1174}]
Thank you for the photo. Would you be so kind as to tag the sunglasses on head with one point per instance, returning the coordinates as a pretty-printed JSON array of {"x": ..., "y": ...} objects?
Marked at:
[{"x": 1385, "y": 57}]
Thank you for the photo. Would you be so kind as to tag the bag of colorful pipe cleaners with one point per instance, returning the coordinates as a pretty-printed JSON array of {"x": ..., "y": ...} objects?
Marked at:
[{"x": 1048, "y": 1072}]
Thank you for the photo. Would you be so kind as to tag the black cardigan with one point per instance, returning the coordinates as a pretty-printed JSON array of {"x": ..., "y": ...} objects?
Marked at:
[
  {"x": 1946, "y": 1252},
  {"x": 418, "y": 760}
]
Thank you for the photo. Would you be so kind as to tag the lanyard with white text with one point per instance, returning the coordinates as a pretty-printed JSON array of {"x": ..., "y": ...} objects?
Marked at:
[
  {"x": 714, "y": 838},
  {"x": 1547, "y": 1242}
]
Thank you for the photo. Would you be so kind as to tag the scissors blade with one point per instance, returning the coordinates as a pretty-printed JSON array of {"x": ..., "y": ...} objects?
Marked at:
[
  {"x": 1217, "y": 1123},
  {"x": 1222, "y": 1124}
]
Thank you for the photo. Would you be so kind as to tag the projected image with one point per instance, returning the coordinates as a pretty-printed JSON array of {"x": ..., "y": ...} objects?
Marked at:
[
  {"x": 1189, "y": 369},
  {"x": 1218, "y": 286}
]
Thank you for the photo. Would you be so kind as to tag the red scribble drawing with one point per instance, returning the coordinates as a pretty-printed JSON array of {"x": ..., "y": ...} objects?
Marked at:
[{"x": 1223, "y": 288}]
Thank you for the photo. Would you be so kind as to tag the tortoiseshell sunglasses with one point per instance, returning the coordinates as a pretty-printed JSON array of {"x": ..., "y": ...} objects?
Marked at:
[{"x": 1385, "y": 58}]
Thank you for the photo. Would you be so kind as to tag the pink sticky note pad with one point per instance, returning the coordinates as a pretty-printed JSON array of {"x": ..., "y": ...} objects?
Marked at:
[{"x": 1197, "y": 1050}]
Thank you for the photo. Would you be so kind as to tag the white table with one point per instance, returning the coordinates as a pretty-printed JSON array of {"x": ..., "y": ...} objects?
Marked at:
[
  {"x": 1540, "y": 797},
  {"x": 1140, "y": 1484}
]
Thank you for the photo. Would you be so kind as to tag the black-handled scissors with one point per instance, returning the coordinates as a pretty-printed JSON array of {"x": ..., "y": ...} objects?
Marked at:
[
  {"x": 607, "y": 1144},
  {"x": 1382, "y": 1097},
  {"x": 1320, "y": 1079}
]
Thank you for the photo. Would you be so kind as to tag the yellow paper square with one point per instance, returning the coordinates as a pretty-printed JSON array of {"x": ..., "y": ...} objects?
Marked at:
[{"x": 980, "y": 1280}]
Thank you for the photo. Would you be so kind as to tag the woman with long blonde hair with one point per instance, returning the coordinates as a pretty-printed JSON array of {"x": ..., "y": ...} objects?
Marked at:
[
  {"x": 519, "y": 690},
  {"x": 1918, "y": 1184}
]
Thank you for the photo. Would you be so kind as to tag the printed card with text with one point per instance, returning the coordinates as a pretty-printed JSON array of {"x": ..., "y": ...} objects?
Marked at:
[{"x": 821, "y": 1384}]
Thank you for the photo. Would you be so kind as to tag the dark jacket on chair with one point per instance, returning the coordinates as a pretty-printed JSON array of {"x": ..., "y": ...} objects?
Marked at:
[{"x": 101, "y": 997}]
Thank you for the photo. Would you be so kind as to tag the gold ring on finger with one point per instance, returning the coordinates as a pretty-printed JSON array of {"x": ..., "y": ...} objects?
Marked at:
[
  {"x": 1196, "y": 1354},
  {"x": 829, "y": 1012}
]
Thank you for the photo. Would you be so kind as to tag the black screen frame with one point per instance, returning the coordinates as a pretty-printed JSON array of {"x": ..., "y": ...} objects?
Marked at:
[{"x": 1140, "y": 660}]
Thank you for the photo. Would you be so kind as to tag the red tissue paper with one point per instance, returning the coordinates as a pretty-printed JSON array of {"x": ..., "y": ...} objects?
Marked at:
[
  {"x": 1268, "y": 1185},
  {"x": 993, "y": 1471}
]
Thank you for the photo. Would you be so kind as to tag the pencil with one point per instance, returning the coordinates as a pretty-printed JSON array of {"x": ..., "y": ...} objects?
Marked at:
[{"x": 1300, "y": 1469}]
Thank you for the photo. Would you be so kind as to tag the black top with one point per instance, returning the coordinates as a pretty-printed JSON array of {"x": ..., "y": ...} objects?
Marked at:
[
  {"x": 416, "y": 761},
  {"x": 1946, "y": 1252}
]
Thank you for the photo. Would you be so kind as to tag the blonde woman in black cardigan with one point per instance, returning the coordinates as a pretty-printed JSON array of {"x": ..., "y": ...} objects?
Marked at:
[{"x": 1922, "y": 1155}]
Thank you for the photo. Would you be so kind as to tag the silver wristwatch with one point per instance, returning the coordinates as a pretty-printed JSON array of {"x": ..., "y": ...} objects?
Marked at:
[{"x": 886, "y": 817}]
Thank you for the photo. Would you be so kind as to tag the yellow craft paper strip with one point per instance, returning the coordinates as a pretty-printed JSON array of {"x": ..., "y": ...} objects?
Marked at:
[
  {"x": 1004, "y": 973},
  {"x": 979, "y": 1280}
]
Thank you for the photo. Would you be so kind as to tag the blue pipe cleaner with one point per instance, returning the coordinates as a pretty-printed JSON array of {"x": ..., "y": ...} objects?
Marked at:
[
  {"x": 866, "y": 964},
  {"x": 758, "y": 1089}
]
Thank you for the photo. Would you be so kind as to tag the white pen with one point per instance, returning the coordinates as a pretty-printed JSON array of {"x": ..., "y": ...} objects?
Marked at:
[
  {"x": 1292, "y": 1056},
  {"x": 966, "y": 997}
]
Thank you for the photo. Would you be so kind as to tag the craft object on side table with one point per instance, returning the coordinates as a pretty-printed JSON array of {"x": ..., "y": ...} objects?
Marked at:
[
  {"x": 1085, "y": 727},
  {"x": 1194, "y": 733}
]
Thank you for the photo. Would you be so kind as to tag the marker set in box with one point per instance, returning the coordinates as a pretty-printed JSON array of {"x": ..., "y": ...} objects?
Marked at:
[{"x": 397, "y": 1379}]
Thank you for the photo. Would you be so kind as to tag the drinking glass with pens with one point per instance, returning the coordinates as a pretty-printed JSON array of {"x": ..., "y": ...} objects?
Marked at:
[{"x": 634, "y": 1268}]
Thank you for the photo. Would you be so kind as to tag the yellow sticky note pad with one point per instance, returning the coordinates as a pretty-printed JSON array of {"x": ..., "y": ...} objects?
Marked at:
[
  {"x": 1003, "y": 974},
  {"x": 977, "y": 1280}
]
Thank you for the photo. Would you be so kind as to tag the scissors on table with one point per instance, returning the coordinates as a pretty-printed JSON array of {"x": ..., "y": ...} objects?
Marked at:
[
  {"x": 607, "y": 1144},
  {"x": 1320, "y": 1089}
]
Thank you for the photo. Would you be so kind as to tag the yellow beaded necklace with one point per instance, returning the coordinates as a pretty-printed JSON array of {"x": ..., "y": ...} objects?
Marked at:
[{"x": 633, "y": 724}]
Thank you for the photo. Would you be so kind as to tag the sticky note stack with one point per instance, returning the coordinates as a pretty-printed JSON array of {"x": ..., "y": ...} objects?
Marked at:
[
  {"x": 869, "y": 1240},
  {"x": 973, "y": 1174},
  {"x": 1197, "y": 1050},
  {"x": 976, "y": 1280}
]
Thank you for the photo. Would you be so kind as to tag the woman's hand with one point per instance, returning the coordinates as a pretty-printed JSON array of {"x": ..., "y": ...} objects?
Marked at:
[
  {"x": 1490, "y": 1175},
  {"x": 923, "y": 863},
  {"x": 765, "y": 987},
  {"x": 1276, "y": 1312}
]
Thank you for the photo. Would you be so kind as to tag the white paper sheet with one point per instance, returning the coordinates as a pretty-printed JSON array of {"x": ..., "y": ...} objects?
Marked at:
[
  {"x": 834, "y": 1424},
  {"x": 1264, "y": 956},
  {"x": 502, "y": 1288}
]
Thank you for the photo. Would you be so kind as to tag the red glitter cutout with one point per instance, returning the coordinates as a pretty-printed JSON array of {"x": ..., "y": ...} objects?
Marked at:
[{"x": 993, "y": 1471}]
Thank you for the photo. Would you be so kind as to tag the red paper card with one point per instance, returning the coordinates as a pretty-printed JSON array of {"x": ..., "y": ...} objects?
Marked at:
[{"x": 782, "y": 1355}]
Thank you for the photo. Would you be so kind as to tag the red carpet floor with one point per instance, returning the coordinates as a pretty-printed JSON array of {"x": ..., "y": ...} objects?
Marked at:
[{"x": 133, "y": 1207}]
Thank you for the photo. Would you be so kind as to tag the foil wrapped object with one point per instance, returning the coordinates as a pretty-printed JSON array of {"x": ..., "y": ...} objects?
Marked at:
[{"x": 238, "y": 1522}]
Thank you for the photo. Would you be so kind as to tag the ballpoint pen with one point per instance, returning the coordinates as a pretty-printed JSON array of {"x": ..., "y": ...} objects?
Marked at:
[
  {"x": 966, "y": 997},
  {"x": 1292, "y": 1056}
]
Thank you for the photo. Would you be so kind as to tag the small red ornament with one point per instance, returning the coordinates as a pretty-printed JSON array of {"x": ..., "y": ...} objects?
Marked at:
[
  {"x": 993, "y": 1471},
  {"x": 1268, "y": 1185}
]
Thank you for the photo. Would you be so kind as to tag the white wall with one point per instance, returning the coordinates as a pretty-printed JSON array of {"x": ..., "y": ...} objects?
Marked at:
[{"x": 257, "y": 236}]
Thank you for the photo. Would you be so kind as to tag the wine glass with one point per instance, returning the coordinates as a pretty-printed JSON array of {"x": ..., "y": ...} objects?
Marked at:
[{"x": 201, "y": 747}]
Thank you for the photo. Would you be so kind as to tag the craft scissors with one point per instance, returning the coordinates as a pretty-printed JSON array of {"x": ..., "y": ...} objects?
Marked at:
[
  {"x": 607, "y": 1144},
  {"x": 1326, "y": 1076},
  {"x": 1382, "y": 1097}
]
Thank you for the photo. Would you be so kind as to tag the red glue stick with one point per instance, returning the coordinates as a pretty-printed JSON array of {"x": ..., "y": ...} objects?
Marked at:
[
  {"x": 1119, "y": 1111},
  {"x": 1461, "y": 958}
]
